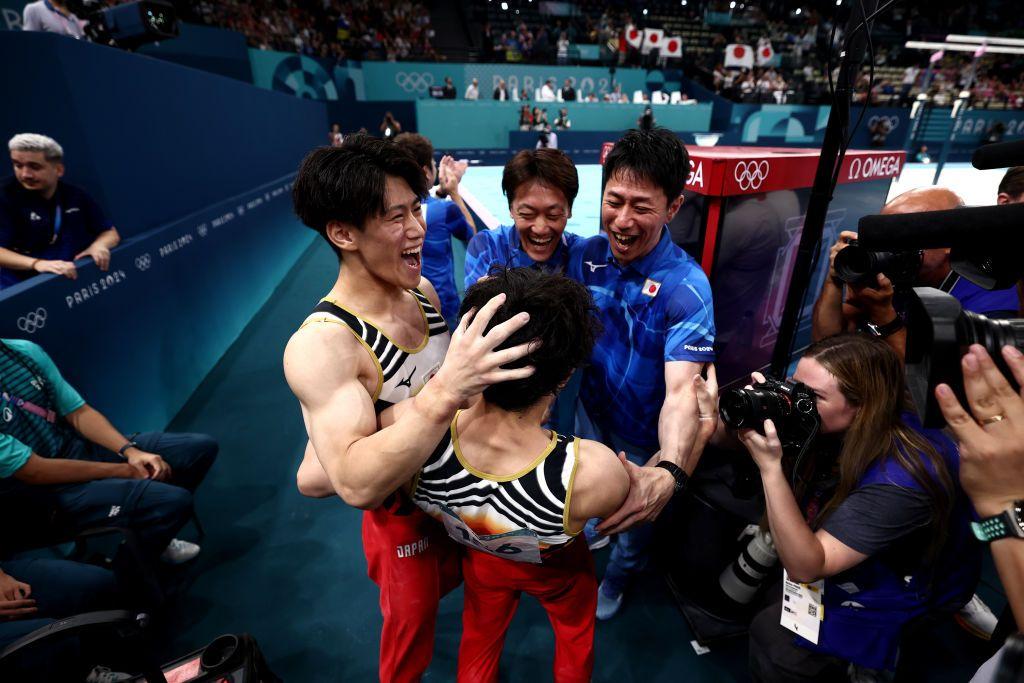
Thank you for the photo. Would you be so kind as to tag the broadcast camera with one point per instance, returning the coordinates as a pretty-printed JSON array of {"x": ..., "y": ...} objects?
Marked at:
[
  {"x": 858, "y": 266},
  {"x": 986, "y": 244}
]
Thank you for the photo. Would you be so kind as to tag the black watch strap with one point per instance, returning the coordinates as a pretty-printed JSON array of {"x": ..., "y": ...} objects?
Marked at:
[
  {"x": 677, "y": 473},
  {"x": 125, "y": 447},
  {"x": 890, "y": 328}
]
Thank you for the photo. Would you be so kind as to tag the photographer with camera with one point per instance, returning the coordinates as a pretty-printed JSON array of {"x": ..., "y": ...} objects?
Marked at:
[
  {"x": 874, "y": 519},
  {"x": 873, "y": 303}
]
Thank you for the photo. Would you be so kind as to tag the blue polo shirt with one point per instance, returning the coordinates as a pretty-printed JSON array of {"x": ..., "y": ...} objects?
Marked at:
[
  {"x": 655, "y": 310},
  {"x": 977, "y": 300},
  {"x": 502, "y": 246},
  {"x": 51, "y": 229},
  {"x": 444, "y": 221}
]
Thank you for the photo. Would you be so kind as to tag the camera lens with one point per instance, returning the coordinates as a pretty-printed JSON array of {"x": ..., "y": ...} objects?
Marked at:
[
  {"x": 853, "y": 265},
  {"x": 856, "y": 265},
  {"x": 973, "y": 328},
  {"x": 741, "y": 408}
]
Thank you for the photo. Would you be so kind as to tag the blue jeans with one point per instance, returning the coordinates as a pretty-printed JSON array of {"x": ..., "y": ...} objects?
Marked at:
[
  {"x": 630, "y": 549},
  {"x": 60, "y": 588},
  {"x": 189, "y": 455}
]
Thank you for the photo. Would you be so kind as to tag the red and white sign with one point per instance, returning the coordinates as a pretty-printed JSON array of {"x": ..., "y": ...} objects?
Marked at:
[
  {"x": 653, "y": 38},
  {"x": 634, "y": 36},
  {"x": 765, "y": 54},
  {"x": 672, "y": 47},
  {"x": 741, "y": 56}
]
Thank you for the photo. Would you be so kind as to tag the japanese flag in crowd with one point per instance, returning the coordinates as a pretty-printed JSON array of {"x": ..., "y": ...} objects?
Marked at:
[
  {"x": 672, "y": 47},
  {"x": 653, "y": 37},
  {"x": 741, "y": 56},
  {"x": 634, "y": 36},
  {"x": 765, "y": 53}
]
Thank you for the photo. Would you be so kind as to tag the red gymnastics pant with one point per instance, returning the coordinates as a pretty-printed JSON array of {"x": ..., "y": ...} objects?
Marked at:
[
  {"x": 566, "y": 587},
  {"x": 414, "y": 563}
]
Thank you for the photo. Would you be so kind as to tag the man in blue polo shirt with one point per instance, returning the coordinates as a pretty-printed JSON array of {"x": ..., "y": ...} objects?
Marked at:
[
  {"x": 45, "y": 223},
  {"x": 446, "y": 216},
  {"x": 540, "y": 185},
  {"x": 659, "y": 328}
]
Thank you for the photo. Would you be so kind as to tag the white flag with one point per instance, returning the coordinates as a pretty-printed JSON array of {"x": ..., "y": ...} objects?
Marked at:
[
  {"x": 765, "y": 54},
  {"x": 652, "y": 39},
  {"x": 634, "y": 36},
  {"x": 672, "y": 47},
  {"x": 739, "y": 56}
]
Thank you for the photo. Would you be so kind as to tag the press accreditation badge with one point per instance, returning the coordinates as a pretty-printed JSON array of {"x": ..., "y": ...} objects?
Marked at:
[{"x": 802, "y": 611}]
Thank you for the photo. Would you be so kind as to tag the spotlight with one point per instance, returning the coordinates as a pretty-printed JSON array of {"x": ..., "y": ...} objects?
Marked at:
[
  {"x": 798, "y": 11},
  {"x": 732, "y": 5},
  {"x": 504, "y": 6},
  {"x": 645, "y": 11}
]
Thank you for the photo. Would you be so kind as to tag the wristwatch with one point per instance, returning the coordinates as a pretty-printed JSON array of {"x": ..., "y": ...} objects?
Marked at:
[
  {"x": 1007, "y": 524},
  {"x": 677, "y": 473},
  {"x": 883, "y": 331},
  {"x": 126, "y": 446}
]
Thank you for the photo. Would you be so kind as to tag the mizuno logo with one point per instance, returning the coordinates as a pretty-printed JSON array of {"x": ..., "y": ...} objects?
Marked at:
[
  {"x": 407, "y": 382},
  {"x": 595, "y": 266}
]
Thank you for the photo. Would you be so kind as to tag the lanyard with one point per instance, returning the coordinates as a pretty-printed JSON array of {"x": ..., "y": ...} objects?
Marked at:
[
  {"x": 56, "y": 225},
  {"x": 30, "y": 407}
]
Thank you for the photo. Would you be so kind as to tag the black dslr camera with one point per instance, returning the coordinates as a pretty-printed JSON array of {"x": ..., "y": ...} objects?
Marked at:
[
  {"x": 858, "y": 266},
  {"x": 789, "y": 405}
]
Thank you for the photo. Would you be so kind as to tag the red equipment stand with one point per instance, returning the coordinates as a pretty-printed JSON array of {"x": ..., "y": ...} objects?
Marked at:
[{"x": 742, "y": 221}]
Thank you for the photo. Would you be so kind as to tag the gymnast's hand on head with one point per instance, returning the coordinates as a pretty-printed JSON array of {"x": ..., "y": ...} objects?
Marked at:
[{"x": 472, "y": 363}]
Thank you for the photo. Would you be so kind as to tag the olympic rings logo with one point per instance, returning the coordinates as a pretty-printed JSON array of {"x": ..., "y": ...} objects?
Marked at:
[
  {"x": 414, "y": 81},
  {"x": 144, "y": 261},
  {"x": 892, "y": 121},
  {"x": 751, "y": 174},
  {"x": 32, "y": 321}
]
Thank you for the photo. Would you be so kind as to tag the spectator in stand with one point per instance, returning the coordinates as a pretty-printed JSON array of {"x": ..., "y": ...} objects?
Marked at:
[
  {"x": 390, "y": 127},
  {"x": 547, "y": 91},
  {"x": 562, "y": 121},
  {"x": 568, "y": 92},
  {"x": 64, "y": 468},
  {"x": 524, "y": 96},
  {"x": 334, "y": 136},
  {"x": 473, "y": 90},
  {"x": 540, "y": 119},
  {"x": 52, "y": 16},
  {"x": 646, "y": 120},
  {"x": 446, "y": 216},
  {"x": 45, "y": 223},
  {"x": 547, "y": 139},
  {"x": 525, "y": 118},
  {"x": 501, "y": 91},
  {"x": 563, "y": 48},
  {"x": 449, "y": 89}
]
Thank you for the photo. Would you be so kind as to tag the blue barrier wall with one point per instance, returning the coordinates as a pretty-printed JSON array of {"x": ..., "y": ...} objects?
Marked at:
[
  {"x": 151, "y": 140},
  {"x": 804, "y": 125},
  {"x": 216, "y": 50},
  {"x": 487, "y": 124},
  {"x": 197, "y": 168}
]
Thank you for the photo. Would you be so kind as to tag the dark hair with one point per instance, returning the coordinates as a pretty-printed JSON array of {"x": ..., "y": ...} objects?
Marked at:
[
  {"x": 654, "y": 155},
  {"x": 418, "y": 146},
  {"x": 562, "y": 316},
  {"x": 549, "y": 167},
  {"x": 349, "y": 183},
  {"x": 1013, "y": 182}
]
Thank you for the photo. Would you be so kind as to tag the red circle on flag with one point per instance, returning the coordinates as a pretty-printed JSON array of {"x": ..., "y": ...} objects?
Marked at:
[
  {"x": 766, "y": 52},
  {"x": 652, "y": 289},
  {"x": 673, "y": 46},
  {"x": 634, "y": 34},
  {"x": 739, "y": 51}
]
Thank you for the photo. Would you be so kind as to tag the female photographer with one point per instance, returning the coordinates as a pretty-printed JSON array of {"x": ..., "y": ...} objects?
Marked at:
[{"x": 877, "y": 513}]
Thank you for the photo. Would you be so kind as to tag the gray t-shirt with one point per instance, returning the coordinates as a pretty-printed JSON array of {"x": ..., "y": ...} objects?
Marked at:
[{"x": 42, "y": 16}]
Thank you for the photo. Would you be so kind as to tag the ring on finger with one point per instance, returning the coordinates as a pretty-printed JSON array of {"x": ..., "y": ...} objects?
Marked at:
[{"x": 991, "y": 420}]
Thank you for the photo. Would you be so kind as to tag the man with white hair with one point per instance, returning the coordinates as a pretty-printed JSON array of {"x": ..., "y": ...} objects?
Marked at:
[
  {"x": 45, "y": 223},
  {"x": 473, "y": 90}
]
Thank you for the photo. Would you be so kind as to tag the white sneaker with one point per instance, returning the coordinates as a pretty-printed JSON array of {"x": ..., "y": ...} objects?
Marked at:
[
  {"x": 179, "y": 551},
  {"x": 102, "y": 674},
  {"x": 977, "y": 619}
]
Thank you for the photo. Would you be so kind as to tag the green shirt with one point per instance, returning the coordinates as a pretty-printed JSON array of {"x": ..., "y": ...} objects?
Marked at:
[{"x": 31, "y": 384}]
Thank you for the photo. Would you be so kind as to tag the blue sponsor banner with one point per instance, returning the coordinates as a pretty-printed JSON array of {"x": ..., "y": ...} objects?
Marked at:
[
  {"x": 804, "y": 125},
  {"x": 412, "y": 80},
  {"x": 138, "y": 339},
  {"x": 306, "y": 77}
]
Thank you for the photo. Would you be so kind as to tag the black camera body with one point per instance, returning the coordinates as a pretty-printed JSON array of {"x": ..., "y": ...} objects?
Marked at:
[
  {"x": 856, "y": 265},
  {"x": 791, "y": 406}
]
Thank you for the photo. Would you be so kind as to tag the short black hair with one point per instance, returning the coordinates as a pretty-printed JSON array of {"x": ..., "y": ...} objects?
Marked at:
[
  {"x": 550, "y": 167},
  {"x": 562, "y": 316},
  {"x": 1013, "y": 182},
  {"x": 654, "y": 155},
  {"x": 349, "y": 183},
  {"x": 420, "y": 147}
]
